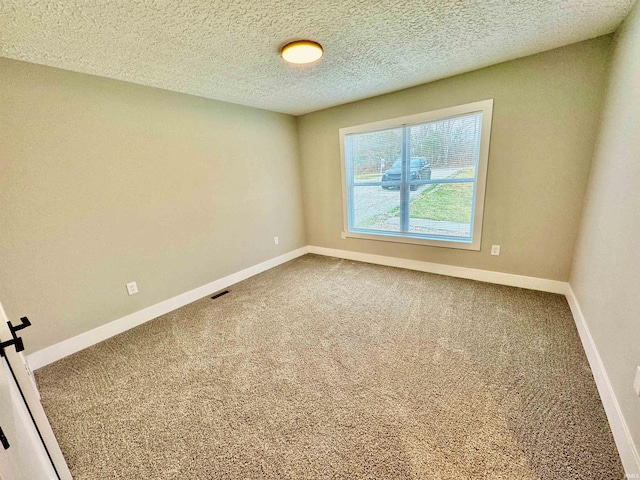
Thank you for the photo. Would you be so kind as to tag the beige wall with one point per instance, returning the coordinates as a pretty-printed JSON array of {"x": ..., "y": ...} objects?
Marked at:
[
  {"x": 544, "y": 122},
  {"x": 606, "y": 270},
  {"x": 105, "y": 182}
]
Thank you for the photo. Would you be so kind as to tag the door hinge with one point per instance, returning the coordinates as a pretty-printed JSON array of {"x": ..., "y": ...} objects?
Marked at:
[
  {"x": 15, "y": 340},
  {"x": 3, "y": 440}
]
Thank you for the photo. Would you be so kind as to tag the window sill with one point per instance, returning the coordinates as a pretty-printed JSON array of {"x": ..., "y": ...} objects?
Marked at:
[{"x": 457, "y": 244}]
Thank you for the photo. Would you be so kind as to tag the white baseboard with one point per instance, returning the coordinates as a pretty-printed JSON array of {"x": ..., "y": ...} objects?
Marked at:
[
  {"x": 72, "y": 345},
  {"x": 619, "y": 428},
  {"x": 522, "y": 281}
]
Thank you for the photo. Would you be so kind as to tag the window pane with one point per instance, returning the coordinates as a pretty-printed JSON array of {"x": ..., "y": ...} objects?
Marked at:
[
  {"x": 450, "y": 146},
  {"x": 421, "y": 179},
  {"x": 376, "y": 208},
  {"x": 375, "y": 153},
  {"x": 442, "y": 209}
]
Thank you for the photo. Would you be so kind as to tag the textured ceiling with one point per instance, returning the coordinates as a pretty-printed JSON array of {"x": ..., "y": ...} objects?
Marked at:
[{"x": 228, "y": 50}]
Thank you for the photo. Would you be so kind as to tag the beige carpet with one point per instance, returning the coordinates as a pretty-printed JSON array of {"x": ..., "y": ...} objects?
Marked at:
[{"x": 326, "y": 368}]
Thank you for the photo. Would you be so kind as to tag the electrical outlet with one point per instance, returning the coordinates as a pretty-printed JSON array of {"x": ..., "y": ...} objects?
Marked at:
[
  {"x": 343, "y": 235},
  {"x": 276, "y": 241},
  {"x": 495, "y": 249},
  {"x": 132, "y": 288},
  {"x": 636, "y": 382}
]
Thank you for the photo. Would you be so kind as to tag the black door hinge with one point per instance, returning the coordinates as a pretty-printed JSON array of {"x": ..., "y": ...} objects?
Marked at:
[
  {"x": 3, "y": 440},
  {"x": 15, "y": 340}
]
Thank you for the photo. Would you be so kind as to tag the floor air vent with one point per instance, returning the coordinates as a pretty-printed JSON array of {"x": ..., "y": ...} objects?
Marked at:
[{"x": 219, "y": 294}]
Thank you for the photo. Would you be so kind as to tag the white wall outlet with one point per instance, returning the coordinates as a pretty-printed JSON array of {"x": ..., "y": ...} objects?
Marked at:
[
  {"x": 276, "y": 241},
  {"x": 343, "y": 235},
  {"x": 636, "y": 382},
  {"x": 495, "y": 249},
  {"x": 132, "y": 288}
]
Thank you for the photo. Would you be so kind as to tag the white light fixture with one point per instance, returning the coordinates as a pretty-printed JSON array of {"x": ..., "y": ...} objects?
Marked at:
[{"x": 302, "y": 51}]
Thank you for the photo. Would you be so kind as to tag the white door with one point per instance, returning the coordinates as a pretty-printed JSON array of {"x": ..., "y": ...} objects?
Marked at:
[
  {"x": 30, "y": 450},
  {"x": 25, "y": 458},
  {"x": 7, "y": 454}
]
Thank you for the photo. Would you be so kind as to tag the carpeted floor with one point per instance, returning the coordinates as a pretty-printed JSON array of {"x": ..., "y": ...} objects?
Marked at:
[{"x": 327, "y": 368}]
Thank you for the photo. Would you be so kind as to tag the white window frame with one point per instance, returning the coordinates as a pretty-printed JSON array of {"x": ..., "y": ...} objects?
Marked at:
[{"x": 486, "y": 108}]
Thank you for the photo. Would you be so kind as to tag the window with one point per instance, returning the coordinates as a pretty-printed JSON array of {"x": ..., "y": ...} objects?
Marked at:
[{"x": 418, "y": 179}]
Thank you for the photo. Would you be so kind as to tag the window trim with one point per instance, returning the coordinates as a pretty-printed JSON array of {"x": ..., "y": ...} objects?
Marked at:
[{"x": 484, "y": 106}]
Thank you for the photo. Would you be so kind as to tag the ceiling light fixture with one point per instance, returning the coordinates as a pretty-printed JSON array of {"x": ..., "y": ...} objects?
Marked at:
[{"x": 302, "y": 51}]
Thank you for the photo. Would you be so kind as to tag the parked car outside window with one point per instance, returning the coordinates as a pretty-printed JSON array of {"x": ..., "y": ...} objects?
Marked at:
[{"x": 419, "y": 169}]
